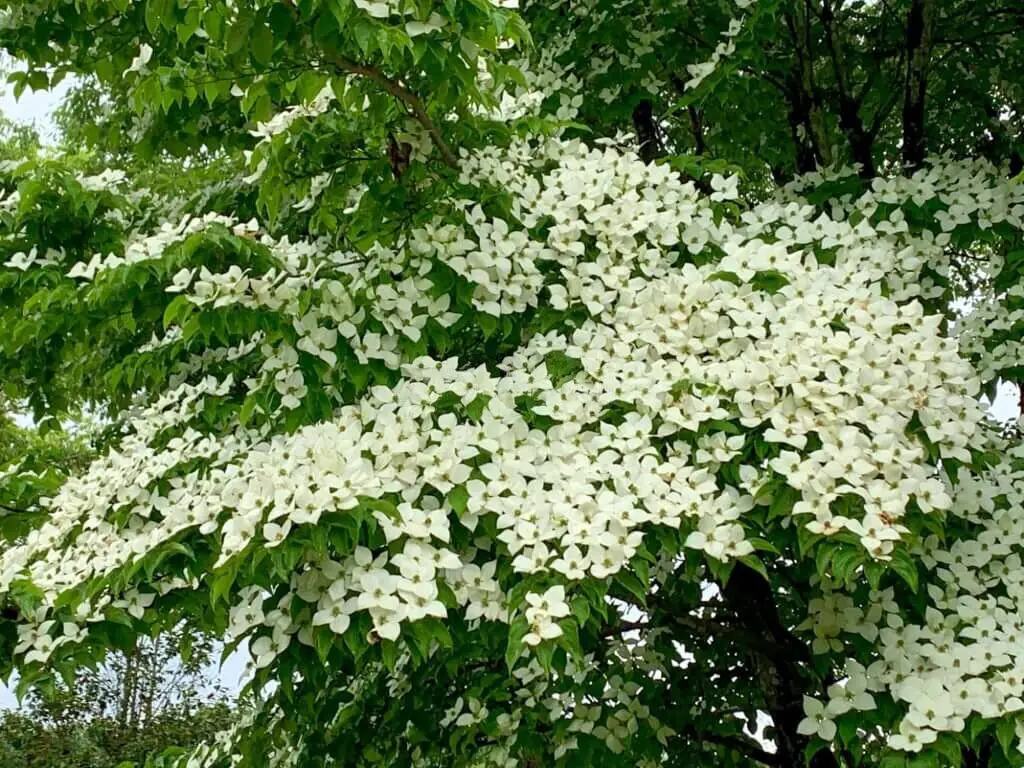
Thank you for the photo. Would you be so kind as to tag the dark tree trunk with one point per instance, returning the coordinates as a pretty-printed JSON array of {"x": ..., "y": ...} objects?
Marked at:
[
  {"x": 799, "y": 124},
  {"x": 850, "y": 122},
  {"x": 697, "y": 128},
  {"x": 778, "y": 662},
  {"x": 920, "y": 28},
  {"x": 647, "y": 132}
]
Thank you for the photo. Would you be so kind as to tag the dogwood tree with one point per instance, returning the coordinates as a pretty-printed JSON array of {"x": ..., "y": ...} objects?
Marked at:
[{"x": 579, "y": 383}]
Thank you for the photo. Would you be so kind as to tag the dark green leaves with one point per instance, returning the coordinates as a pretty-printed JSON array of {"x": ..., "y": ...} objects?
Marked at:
[{"x": 262, "y": 44}]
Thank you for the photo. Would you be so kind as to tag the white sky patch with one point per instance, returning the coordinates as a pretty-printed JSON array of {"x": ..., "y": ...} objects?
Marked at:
[{"x": 34, "y": 107}]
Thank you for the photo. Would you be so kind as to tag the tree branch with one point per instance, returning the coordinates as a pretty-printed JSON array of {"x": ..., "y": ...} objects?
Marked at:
[
  {"x": 697, "y": 128},
  {"x": 623, "y": 627},
  {"x": 747, "y": 748},
  {"x": 805, "y": 117},
  {"x": 920, "y": 29},
  {"x": 779, "y": 662},
  {"x": 651, "y": 147},
  {"x": 849, "y": 107},
  {"x": 407, "y": 97}
]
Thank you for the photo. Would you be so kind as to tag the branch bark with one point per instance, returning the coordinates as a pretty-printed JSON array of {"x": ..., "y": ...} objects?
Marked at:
[
  {"x": 861, "y": 141},
  {"x": 920, "y": 32},
  {"x": 647, "y": 133},
  {"x": 747, "y": 748},
  {"x": 806, "y": 119},
  {"x": 777, "y": 661},
  {"x": 697, "y": 128},
  {"x": 413, "y": 102}
]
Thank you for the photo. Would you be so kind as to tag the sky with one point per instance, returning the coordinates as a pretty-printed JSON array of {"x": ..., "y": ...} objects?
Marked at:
[{"x": 33, "y": 106}]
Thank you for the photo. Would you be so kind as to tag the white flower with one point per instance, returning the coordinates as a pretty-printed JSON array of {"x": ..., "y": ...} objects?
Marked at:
[
  {"x": 434, "y": 23},
  {"x": 379, "y": 10},
  {"x": 816, "y": 721},
  {"x": 141, "y": 60}
]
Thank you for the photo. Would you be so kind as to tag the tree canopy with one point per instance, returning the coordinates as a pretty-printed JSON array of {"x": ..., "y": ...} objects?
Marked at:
[
  {"x": 136, "y": 706},
  {"x": 593, "y": 382}
]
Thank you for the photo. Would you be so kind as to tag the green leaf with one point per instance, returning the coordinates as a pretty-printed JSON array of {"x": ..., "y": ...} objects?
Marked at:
[
  {"x": 845, "y": 561},
  {"x": 544, "y": 653},
  {"x": 155, "y": 12},
  {"x": 488, "y": 324},
  {"x": 223, "y": 581},
  {"x": 632, "y": 584},
  {"x": 262, "y": 44},
  {"x": 389, "y": 654},
  {"x": 806, "y": 539},
  {"x": 245, "y": 413},
  {"x": 516, "y": 632},
  {"x": 458, "y": 497},
  {"x": 570, "y": 638},
  {"x": 783, "y": 502},
  {"x": 947, "y": 746},
  {"x": 756, "y": 564},
  {"x": 178, "y": 306},
  {"x": 874, "y": 571},
  {"x": 1006, "y": 734},
  {"x": 561, "y": 367},
  {"x": 893, "y": 760},
  {"x": 849, "y": 730},
  {"x": 324, "y": 642},
  {"x": 822, "y": 558},
  {"x": 906, "y": 568},
  {"x": 926, "y": 759},
  {"x": 237, "y": 36},
  {"x": 364, "y": 32},
  {"x": 721, "y": 570},
  {"x": 581, "y": 609},
  {"x": 977, "y": 727},
  {"x": 813, "y": 747}
]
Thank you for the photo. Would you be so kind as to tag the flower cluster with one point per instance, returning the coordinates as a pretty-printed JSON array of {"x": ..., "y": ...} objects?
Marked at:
[{"x": 700, "y": 365}]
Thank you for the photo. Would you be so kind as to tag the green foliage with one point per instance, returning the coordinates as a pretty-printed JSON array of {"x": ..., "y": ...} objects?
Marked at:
[
  {"x": 350, "y": 125},
  {"x": 28, "y": 742}
]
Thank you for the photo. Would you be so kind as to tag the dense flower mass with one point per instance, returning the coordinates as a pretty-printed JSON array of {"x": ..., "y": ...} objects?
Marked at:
[{"x": 696, "y": 368}]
